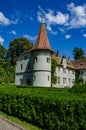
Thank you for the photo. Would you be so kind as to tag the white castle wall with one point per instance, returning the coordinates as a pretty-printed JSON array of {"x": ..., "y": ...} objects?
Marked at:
[
  {"x": 23, "y": 71},
  {"x": 68, "y": 75},
  {"x": 42, "y": 68},
  {"x": 39, "y": 72}
]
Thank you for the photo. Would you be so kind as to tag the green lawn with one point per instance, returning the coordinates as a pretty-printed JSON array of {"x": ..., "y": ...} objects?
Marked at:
[{"x": 24, "y": 124}]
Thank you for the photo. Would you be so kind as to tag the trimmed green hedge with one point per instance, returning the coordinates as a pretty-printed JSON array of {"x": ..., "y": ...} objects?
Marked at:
[{"x": 49, "y": 108}]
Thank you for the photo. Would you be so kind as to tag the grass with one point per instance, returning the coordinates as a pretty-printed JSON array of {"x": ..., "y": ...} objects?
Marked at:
[{"x": 24, "y": 124}]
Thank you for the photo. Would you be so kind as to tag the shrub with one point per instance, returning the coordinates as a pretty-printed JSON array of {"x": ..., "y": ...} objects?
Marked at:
[
  {"x": 47, "y": 107},
  {"x": 78, "y": 88}
]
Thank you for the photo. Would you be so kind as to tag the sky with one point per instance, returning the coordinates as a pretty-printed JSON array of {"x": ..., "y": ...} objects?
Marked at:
[{"x": 65, "y": 22}]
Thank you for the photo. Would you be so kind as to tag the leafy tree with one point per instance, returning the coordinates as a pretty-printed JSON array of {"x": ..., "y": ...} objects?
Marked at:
[
  {"x": 78, "y": 53},
  {"x": 16, "y": 47},
  {"x": 3, "y": 52},
  {"x": 53, "y": 70},
  {"x": 7, "y": 72}
]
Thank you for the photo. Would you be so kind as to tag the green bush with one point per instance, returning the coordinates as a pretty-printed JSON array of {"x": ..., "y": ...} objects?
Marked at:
[
  {"x": 78, "y": 88},
  {"x": 47, "y": 107}
]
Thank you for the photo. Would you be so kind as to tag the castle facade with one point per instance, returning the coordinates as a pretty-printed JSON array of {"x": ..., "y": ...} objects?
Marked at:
[{"x": 34, "y": 66}]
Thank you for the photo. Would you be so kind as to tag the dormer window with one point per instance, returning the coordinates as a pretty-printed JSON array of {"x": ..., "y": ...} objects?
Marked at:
[{"x": 81, "y": 64}]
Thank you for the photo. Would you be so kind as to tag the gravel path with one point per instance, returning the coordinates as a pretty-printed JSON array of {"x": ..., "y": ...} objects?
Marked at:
[{"x": 5, "y": 124}]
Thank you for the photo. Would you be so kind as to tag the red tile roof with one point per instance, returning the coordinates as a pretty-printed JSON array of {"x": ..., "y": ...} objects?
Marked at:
[
  {"x": 42, "y": 40},
  {"x": 80, "y": 64},
  {"x": 59, "y": 59}
]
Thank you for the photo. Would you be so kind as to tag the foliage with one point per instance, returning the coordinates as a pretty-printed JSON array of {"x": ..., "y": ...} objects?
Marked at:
[
  {"x": 47, "y": 107},
  {"x": 53, "y": 70},
  {"x": 78, "y": 88},
  {"x": 6, "y": 73},
  {"x": 9, "y": 56},
  {"x": 77, "y": 78},
  {"x": 16, "y": 47},
  {"x": 78, "y": 53},
  {"x": 3, "y": 52},
  {"x": 27, "y": 126}
]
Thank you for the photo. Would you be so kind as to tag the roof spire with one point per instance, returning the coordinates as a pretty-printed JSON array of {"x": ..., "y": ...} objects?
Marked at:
[
  {"x": 42, "y": 20},
  {"x": 42, "y": 40}
]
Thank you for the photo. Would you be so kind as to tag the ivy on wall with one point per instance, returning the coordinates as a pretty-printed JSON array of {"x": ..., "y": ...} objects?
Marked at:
[{"x": 53, "y": 71}]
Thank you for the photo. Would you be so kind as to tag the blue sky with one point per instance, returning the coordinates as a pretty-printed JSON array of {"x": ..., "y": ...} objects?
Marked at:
[{"x": 65, "y": 22}]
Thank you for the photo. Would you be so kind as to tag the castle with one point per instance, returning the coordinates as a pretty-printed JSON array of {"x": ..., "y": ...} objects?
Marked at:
[{"x": 34, "y": 66}]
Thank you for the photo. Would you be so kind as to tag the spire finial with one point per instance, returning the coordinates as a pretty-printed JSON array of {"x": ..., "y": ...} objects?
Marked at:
[{"x": 42, "y": 20}]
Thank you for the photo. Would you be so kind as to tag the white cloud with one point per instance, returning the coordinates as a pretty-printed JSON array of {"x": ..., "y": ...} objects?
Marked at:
[
  {"x": 84, "y": 35},
  {"x": 75, "y": 18},
  {"x": 78, "y": 16},
  {"x": 31, "y": 18},
  {"x": 59, "y": 18},
  {"x": 1, "y": 40},
  {"x": 32, "y": 38},
  {"x": 67, "y": 36},
  {"x": 62, "y": 30},
  {"x": 13, "y": 32},
  {"x": 6, "y": 21},
  {"x": 52, "y": 18}
]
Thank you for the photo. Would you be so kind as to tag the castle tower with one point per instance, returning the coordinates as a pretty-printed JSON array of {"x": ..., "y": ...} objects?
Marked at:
[{"x": 41, "y": 60}]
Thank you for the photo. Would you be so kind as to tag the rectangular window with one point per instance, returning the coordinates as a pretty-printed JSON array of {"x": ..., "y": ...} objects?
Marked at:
[
  {"x": 35, "y": 59},
  {"x": 81, "y": 72},
  {"x": 58, "y": 69},
  {"x": 73, "y": 72},
  {"x": 20, "y": 81},
  {"x": 73, "y": 81},
  {"x": 64, "y": 70},
  {"x": 69, "y": 80},
  {"x": 21, "y": 66},
  {"x": 58, "y": 80},
  {"x": 48, "y": 78},
  {"x": 25, "y": 57},
  {"x": 34, "y": 77},
  {"x": 28, "y": 81},
  {"x": 69, "y": 71},
  {"x": 48, "y": 59},
  {"x": 28, "y": 66},
  {"x": 64, "y": 81}
]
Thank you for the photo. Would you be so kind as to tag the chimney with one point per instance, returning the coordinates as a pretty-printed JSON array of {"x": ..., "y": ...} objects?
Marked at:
[
  {"x": 58, "y": 54},
  {"x": 68, "y": 58},
  {"x": 64, "y": 56}
]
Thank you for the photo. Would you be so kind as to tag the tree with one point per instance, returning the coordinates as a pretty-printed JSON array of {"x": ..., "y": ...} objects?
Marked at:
[
  {"x": 78, "y": 53},
  {"x": 53, "y": 71},
  {"x": 16, "y": 47},
  {"x": 7, "y": 72},
  {"x": 3, "y": 52}
]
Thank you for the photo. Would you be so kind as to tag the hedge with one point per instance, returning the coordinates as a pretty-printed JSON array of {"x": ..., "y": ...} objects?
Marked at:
[{"x": 51, "y": 110}]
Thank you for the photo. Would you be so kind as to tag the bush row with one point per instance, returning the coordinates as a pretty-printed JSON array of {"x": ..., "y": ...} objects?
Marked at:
[{"x": 48, "y": 112}]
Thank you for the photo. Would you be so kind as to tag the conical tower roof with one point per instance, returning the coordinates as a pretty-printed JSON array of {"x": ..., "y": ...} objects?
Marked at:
[{"x": 42, "y": 42}]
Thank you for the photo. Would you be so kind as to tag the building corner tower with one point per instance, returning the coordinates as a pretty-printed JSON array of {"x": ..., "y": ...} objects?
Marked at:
[{"x": 41, "y": 57}]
